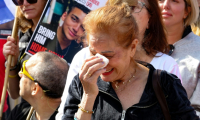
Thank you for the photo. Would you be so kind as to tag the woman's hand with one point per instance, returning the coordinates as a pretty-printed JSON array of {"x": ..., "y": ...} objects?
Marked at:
[
  {"x": 11, "y": 48},
  {"x": 89, "y": 74}
]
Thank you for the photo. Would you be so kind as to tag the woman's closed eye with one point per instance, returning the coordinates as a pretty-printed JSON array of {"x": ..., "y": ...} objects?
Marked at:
[{"x": 108, "y": 56}]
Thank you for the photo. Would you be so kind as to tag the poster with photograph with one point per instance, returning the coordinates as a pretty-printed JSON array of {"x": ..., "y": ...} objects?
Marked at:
[{"x": 60, "y": 30}]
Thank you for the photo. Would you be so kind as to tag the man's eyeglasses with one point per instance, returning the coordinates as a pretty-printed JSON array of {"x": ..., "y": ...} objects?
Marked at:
[
  {"x": 23, "y": 71},
  {"x": 20, "y": 2},
  {"x": 138, "y": 8}
]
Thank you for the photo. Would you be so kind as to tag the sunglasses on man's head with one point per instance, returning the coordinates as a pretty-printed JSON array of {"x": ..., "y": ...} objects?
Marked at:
[{"x": 20, "y": 2}]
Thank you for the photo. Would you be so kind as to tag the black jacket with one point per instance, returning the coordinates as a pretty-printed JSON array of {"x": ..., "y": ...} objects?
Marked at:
[
  {"x": 23, "y": 43},
  {"x": 20, "y": 112},
  {"x": 107, "y": 106}
]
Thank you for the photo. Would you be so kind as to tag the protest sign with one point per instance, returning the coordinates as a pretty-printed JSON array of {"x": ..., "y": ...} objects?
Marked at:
[{"x": 60, "y": 27}]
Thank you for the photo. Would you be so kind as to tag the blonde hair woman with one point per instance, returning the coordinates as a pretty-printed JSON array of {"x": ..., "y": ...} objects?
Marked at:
[{"x": 177, "y": 16}]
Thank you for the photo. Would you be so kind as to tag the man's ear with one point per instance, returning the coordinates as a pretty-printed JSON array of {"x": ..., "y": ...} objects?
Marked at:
[
  {"x": 64, "y": 15},
  {"x": 35, "y": 89},
  {"x": 133, "y": 47}
]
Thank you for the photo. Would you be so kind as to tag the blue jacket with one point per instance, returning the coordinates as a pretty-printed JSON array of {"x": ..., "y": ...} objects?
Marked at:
[{"x": 107, "y": 106}]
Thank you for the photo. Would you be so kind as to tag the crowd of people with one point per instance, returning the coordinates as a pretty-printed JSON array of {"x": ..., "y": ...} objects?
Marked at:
[{"x": 137, "y": 36}]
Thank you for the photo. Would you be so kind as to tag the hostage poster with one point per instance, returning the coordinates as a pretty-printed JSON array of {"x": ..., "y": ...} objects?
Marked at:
[{"x": 60, "y": 30}]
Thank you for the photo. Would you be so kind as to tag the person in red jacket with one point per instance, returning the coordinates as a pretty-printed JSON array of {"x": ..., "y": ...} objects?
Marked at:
[{"x": 2, "y": 75}]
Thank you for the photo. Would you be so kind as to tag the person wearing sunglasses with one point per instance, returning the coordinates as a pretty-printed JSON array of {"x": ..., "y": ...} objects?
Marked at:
[
  {"x": 177, "y": 17},
  {"x": 21, "y": 2},
  {"x": 29, "y": 14},
  {"x": 42, "y": 81}
]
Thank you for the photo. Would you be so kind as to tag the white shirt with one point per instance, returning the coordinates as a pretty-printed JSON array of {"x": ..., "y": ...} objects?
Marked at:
[
  {"x": 74, "y": 68},
  {"x": 164, "y": 62},
  {"x": 167, "y": 63}
]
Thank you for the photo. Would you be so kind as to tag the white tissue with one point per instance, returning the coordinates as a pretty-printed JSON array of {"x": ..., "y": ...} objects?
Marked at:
[{"x": 105, "y": 60}]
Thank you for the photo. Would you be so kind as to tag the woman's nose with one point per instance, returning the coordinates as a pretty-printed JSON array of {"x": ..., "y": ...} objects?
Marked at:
[
  {"x": 166, "y": 4},
  {"x": 25, "y": 2}
]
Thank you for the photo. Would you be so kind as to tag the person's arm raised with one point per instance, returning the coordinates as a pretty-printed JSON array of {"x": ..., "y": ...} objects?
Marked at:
[{"x": 11, "y": 48}]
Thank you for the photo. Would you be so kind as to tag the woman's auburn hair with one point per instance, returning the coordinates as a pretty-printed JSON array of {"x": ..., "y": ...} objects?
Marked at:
[
  {"x": 194, "y": 11},
  {"x": 154, "y": 38},
  {"x": 115, "y": 21}
]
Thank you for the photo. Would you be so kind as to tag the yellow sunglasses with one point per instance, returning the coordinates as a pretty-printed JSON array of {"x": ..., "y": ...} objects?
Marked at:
[
  {"x": 45, "y": 90},
  {"x": 23, "y": 71}
]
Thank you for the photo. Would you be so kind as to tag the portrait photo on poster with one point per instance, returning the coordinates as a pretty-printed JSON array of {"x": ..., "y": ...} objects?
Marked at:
[{"x": 60, "y": 30}]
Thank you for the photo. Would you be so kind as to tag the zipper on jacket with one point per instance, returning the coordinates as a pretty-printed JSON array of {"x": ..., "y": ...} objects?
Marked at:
[{"x": 123, "y": 114}]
